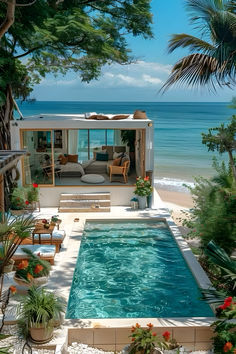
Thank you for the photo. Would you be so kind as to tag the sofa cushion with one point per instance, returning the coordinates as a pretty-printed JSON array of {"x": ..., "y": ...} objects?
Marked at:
[{"x": 119, "y": 148}]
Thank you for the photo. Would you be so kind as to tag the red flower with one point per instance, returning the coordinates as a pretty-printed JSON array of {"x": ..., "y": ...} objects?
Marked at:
[
  {"x": 23, "y": 264},
  {"x": 27, "y": 202},
  {"x": 35, "y": 185},
  {"x": 12, "y": 289},
  {"x": 133, "y": 339},
  {"x": 154, "y": 334},
  {"x": 133, "y": 329},
  {"x": 137, "y": 325},
  {"x": 29, "y": 276},
  {"x": 166, "y": 335},
  {"x": 146, "y": 178},
  {"x": 228, "y": 346},
  {"x": 150, "y": 325},
  {"x": 38, "y": 268}
]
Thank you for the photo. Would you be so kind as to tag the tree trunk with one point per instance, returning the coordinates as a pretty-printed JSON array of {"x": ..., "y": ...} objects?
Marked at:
[
  {"x": 6, "y": 115},
  {"x": 9, "y": 19}
]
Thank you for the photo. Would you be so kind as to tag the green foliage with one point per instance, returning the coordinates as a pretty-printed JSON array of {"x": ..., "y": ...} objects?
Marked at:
[
  {"x": 12, "y": 232},
  {"x": 39, "y": 307},
  {"x": 22, "y": 196},
  {"x": 224, "y": 328},
  {"x": 224, "y": 138},
  {"x": 214, "y": 212},
  {"x": 143, "y": 187},
  {"x": 59, "y": 36},
  {"x": 33, "y": 267},
  {"x": 228, "y": 266},
  {"x": 213, "y": 57},
  {"x": 128, "y": 137},
  {"x": 223, "y": 141}
]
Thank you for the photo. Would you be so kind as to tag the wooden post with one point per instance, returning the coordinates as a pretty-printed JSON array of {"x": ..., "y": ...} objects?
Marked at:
[{"x": 2, "y": 210}]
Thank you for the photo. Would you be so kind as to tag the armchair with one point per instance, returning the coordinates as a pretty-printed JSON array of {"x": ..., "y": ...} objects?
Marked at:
[{"x": 120, "y": 170}]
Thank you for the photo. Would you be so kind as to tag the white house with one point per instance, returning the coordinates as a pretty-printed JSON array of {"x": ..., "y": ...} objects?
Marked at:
[{"x": 75, "y": 154}]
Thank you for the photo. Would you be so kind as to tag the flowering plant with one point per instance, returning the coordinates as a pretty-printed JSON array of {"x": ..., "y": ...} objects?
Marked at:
[
  {"x": 143, "y": 187},
  {"x": 24, "y": 196},
  {"x": 225, "y": 339},
  {"x": 144, "y": 340},
  {"x": 31, "y": 268}
]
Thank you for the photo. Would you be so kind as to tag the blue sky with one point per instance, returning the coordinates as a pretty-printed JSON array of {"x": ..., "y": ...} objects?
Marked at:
[{"x": 139, "y": 81}]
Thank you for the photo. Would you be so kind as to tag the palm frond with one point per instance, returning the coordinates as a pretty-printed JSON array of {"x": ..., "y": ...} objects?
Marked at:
[
  {"x": 193, "y": 43},
  {"x": 193, "y": 70}
]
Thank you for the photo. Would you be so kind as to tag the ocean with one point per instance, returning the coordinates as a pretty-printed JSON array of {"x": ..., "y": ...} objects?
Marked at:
[{"x": 179, "y": 153}]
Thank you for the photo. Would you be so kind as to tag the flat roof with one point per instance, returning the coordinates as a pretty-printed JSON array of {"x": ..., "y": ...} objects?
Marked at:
[
  {"x": 79, "y": 121},
  {"x": 81, "y": 117}
]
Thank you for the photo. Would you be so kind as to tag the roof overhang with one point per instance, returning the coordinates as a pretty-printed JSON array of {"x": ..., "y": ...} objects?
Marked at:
[{"x": 9, "y": 158}]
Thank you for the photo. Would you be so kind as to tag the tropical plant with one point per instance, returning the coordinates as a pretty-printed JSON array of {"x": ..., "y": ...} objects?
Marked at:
[
  {"x": 32, "y": 267},
  {"x": 39, "y": 308},
  {"x": 128, "y": 137},
  {"x": 12, "y": 232},
  {"x": 144, "y": 340},
  {"x": 212, "y": 60},
  {"x": 227, "y": 265},
  {"x": 224, "y": 340},
  {"x": 213, "y": 215},
  {"x": 143, "y": 187},
  {"x": 223, "y": 141}
]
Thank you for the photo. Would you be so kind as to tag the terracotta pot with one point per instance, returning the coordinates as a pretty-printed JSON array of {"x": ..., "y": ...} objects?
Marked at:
[
  {"x": 35, "y": 281},
  {"x": 40, "y": 334}
]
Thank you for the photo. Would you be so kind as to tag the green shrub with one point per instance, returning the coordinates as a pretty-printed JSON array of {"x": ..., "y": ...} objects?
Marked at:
[{"x": 214, "y": 214}]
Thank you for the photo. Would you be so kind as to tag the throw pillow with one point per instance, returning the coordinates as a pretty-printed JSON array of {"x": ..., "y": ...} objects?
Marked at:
[
  {"x": 116, "y": 155},
  {"x": 63, "y": 160},
  {"x": 72, "y": 158},
  {"x": 116, "y": 162},
  {"x": 101, "y": 157},
  {"x": 109, "y": 150}
]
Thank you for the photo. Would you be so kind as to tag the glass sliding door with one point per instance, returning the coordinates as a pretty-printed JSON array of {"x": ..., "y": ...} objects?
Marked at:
[{"x": 38, "y": 165}]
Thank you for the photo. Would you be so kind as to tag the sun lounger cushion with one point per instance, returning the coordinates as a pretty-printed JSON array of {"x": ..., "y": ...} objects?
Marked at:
[
  {"x": 43, "y": 250},
  {"x": 56, "y": 235}
]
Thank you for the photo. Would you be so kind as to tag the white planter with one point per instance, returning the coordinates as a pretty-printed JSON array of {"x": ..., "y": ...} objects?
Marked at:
[{"x": 142, "y": 202}]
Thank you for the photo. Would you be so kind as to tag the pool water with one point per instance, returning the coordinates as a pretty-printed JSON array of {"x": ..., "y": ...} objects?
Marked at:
[{"x": 132, "y": 269}]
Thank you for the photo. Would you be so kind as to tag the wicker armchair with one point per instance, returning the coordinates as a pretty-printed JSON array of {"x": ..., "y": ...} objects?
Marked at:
[{"x": 120, "y": 170}]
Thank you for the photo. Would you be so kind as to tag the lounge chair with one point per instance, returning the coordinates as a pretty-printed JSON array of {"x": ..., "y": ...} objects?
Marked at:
[
  {"x": 57, "y": 239},
  {"x": 45, "y": 252}
]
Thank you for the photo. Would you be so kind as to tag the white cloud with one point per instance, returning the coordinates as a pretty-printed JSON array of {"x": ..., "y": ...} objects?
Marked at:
[{"x": 138, "y": 74}]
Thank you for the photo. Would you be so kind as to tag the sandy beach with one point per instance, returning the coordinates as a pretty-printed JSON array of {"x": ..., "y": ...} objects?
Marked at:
[{"x": 177, "y": 203}]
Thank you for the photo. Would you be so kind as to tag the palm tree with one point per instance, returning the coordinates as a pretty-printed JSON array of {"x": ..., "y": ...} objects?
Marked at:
[{"x": 213, "y": 55}]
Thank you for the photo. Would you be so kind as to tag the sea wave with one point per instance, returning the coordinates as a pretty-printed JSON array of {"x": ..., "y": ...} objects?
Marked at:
[{"x": 173, "y": 184}]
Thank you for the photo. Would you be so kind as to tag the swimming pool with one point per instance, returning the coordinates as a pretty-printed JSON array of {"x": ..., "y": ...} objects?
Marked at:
[{"x": 132, "y": 269}]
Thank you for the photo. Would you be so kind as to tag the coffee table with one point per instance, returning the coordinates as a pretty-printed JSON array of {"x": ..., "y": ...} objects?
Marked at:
[{"x": 40, "y": 230}]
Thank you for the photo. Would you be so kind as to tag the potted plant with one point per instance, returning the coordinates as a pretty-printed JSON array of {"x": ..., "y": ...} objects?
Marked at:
[
  {"x": 38, "y": 311},
  {"x": 32, "y": 270},
  {"x": 142, "y": 190},
  {"x": 23, "y": 199},
  {"x": 145, "y": 341}
]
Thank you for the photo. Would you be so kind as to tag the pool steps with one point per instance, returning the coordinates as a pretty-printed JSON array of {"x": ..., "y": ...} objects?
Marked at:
[{"x": 84, "y": 202}]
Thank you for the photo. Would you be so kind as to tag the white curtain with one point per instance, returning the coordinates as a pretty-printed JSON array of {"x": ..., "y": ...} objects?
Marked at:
[
  {"x": 73, "y": 142},
  {"x": 117, "y": 137}
]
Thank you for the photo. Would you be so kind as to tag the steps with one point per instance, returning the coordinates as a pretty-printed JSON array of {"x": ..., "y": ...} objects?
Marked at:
[{"x": 85, "y": 202}]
